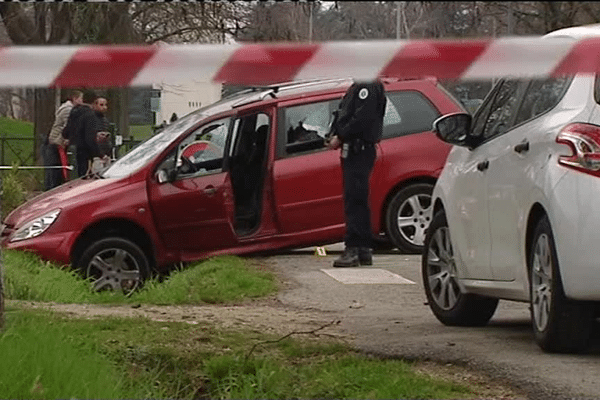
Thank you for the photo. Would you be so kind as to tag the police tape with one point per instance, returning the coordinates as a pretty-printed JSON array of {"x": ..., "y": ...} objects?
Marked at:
[{"x": 268, "y": 63}]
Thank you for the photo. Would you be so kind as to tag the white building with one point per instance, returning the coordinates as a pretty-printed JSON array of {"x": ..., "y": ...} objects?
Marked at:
[{"x": 183, "y": 98}]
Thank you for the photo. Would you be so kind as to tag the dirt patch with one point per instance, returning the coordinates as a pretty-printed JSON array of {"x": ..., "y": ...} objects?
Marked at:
[{"x": 268, "y": 316}]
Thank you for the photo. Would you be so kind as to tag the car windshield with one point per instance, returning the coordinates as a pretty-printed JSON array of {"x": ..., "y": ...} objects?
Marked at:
[{"x": 147, "y": 150}]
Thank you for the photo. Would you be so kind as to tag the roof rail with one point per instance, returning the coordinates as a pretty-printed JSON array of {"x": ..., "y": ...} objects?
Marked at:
[{"x": 299, "y": 84}]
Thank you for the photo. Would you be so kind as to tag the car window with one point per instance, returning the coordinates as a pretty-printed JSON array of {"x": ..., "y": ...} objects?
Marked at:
[
  {"x": 497, "y": 114},
  {"x": 541, "y": 96},
  {"x": 305, "y": 126},
  {"x": 203, "y": 148},
  {"x": 407, "y": 112}
]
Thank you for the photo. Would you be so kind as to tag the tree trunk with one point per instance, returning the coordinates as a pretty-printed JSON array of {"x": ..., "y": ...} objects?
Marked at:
[
  {"x": 118, "y": 109},
  {"x": 45, "y": 108}
]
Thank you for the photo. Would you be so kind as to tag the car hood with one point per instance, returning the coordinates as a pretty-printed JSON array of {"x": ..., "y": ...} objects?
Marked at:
[{"x": 62, "y": 197}]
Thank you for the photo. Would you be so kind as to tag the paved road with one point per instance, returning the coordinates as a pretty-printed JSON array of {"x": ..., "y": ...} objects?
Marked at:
[{"x": 393, "y": 319}]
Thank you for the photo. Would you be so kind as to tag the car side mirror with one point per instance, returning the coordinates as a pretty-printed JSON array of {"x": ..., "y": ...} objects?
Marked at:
[
  {"x": 165, "y": 175},
  {"x": 454, "y": 128}
]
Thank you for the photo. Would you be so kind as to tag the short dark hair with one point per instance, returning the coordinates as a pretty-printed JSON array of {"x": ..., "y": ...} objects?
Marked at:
[{"x": 89, "y": 96}]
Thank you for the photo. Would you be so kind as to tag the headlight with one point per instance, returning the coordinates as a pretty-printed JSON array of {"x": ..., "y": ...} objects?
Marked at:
[{"x": 36, "y": 227}]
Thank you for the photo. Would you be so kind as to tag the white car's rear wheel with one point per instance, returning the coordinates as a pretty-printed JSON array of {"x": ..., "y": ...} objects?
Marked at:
[{"x": 559, "y": 324}]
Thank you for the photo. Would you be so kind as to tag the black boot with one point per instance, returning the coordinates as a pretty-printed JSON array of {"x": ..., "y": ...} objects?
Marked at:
[
  {"x": 349, "y": 258},
  {"x": 365, "y": 257}
]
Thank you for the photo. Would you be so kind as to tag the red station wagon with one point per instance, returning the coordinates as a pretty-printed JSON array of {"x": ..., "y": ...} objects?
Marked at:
[{"x": 247, "y": 174}]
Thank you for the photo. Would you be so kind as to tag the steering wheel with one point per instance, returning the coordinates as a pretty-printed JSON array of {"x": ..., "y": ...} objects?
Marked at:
[{"x": 188, "y": 166}]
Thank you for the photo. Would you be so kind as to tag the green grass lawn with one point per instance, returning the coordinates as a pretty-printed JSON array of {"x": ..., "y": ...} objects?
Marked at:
[
  {"x": 49, "y": 355},
  {"x": 140, "y": 132},
  {"x": 222, "y": 280}
]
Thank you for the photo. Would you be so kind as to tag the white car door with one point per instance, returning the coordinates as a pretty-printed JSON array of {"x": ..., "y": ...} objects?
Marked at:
[
  {"x": 468, "y": 215},
  {"x": 471, "y": 229},
  {"x": 516, "y": 155}
]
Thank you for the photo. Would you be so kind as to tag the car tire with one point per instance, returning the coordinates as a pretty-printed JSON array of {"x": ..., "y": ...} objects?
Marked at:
[
  {"x": 446, "y": 299},
  {"x": 408, "y": 216},
  {"x": 560, "y": 325},
  {"x": 114, "y": 264}
]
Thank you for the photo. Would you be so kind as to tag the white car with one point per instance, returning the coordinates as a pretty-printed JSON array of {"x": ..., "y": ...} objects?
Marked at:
[{"x": 517, "y": 208}]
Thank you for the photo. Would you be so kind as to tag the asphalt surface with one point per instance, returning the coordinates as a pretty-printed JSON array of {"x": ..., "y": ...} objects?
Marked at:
[{"x": 392, "y": 319}]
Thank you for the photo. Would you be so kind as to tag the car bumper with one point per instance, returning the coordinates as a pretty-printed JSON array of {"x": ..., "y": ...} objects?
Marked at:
[
  {"x": 51, "y": 247},
  {"x": 575, "y": 219}
]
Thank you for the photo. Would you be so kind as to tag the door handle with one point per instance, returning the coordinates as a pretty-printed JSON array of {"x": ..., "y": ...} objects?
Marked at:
[
  {"x": 482, "y": 166},
  {"x": 522, "y": 147},
  {"x": 211, "y": 190}
]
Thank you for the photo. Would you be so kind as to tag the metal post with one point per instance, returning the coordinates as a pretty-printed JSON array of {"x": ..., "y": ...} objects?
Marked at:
[
  {"x": 509, "y": 22},
  {"x": 310, "y": 23},
  {"x": 397, "y": 20},
  {"x": 1, "y": 275}
]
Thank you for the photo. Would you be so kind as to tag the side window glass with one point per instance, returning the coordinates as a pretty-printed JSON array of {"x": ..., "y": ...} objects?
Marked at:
[
  {"x": 406, "y": 113},
  {"x": 202, "y": 151},
  {"x": 541, "y": 96},
  {"x": 305, "y": 126},
  {"x": 500, "y": 111}
]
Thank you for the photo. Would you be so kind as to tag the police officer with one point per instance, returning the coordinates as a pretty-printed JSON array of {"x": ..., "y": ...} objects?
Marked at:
[{"x": 357, "y": 129}]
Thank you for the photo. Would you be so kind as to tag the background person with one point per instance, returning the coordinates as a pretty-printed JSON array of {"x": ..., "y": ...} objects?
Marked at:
[
  {"x": 357, "y": 130},
  {"x": 55, "y": 142},
  {"x": 83, "y": 128},
  {"x": 103, "y": 137}
]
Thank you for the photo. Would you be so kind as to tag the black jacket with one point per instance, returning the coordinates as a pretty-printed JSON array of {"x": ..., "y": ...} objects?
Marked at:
[
  {"x": 361, "y": 111},
  {"x": 81, "y": 129}
]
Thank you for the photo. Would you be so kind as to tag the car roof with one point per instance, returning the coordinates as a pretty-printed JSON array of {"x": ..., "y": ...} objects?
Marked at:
[
  {"x": 288, "y": 90},
  {"x": 576, "y": 32}
]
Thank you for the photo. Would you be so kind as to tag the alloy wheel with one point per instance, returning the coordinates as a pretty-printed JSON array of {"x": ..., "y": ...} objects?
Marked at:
[
  {"x": 541, "y": 282},
  {"x": 414, "y": 217},
  {"x": 114, "y": 269},
  {"x": 441, "y": 270}
]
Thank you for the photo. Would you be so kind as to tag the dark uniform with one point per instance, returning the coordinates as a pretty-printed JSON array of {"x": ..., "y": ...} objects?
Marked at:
[{"x": 359, "y": 126}]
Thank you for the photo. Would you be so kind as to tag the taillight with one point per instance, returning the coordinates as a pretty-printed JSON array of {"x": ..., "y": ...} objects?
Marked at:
[{"x": 584, "y": 142}]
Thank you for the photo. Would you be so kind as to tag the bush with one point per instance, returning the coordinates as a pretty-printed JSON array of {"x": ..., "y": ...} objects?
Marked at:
[{"x": 13, "y": 191}]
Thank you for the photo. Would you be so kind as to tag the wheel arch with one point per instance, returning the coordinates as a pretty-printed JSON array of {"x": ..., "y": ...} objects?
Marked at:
[
  {"x": 122, "y": 228},
  {"x": 536, "y": 213},
  {"x": 438, "y": 206},
  {"x": 395, "y": 189}
]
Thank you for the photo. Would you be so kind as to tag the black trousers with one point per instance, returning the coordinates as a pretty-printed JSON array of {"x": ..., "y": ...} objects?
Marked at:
[
  {"x": 356, "y": 170},
  {"x": 82, "y": 159},
  {"x": 53, "y": 177}
]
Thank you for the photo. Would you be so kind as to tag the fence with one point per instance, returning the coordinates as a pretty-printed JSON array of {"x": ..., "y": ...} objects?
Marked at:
[{"x": 20, "y": 150}]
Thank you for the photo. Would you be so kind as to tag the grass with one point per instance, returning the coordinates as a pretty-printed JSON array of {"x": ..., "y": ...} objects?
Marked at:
[
  {"x": 225, "y": 279},
  {"x": 19, "y": 148},
  {"x": 37, "y": 363},
  {"x": 45, "y": 355},
  {"x": 140, "y": 132}
]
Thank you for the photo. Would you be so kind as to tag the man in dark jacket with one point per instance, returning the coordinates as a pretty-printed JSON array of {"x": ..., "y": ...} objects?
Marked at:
[
  {"x": 357, "y": 130},
  {"x": 82, "y": 129}
]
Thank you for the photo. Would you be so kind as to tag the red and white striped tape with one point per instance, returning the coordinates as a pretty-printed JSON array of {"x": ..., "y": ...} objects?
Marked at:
[{"x": 261, "y": 64}]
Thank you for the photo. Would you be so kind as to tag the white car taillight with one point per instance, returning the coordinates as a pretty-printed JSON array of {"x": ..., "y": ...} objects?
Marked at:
[{"x": 584, "y": 141}]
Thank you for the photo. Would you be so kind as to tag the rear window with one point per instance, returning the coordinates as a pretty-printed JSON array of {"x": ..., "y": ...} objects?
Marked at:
[
  {"x": 408, "y": 112},
  {"x": 542, "y": 95}
]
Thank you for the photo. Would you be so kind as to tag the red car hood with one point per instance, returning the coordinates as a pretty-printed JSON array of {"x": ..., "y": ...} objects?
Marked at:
[{"x": 62, "y": 197}]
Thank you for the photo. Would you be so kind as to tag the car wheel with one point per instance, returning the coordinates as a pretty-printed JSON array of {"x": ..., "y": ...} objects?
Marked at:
[
  {"x": 408, "y": 216},
  {"x": 446, "y": 299},
  {"x": 560, "y": 325},
  {"x": 114, "y": 264}
]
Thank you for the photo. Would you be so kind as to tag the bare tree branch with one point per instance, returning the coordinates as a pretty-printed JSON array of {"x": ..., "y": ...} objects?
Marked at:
[{"x": 313, "y": 332}]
